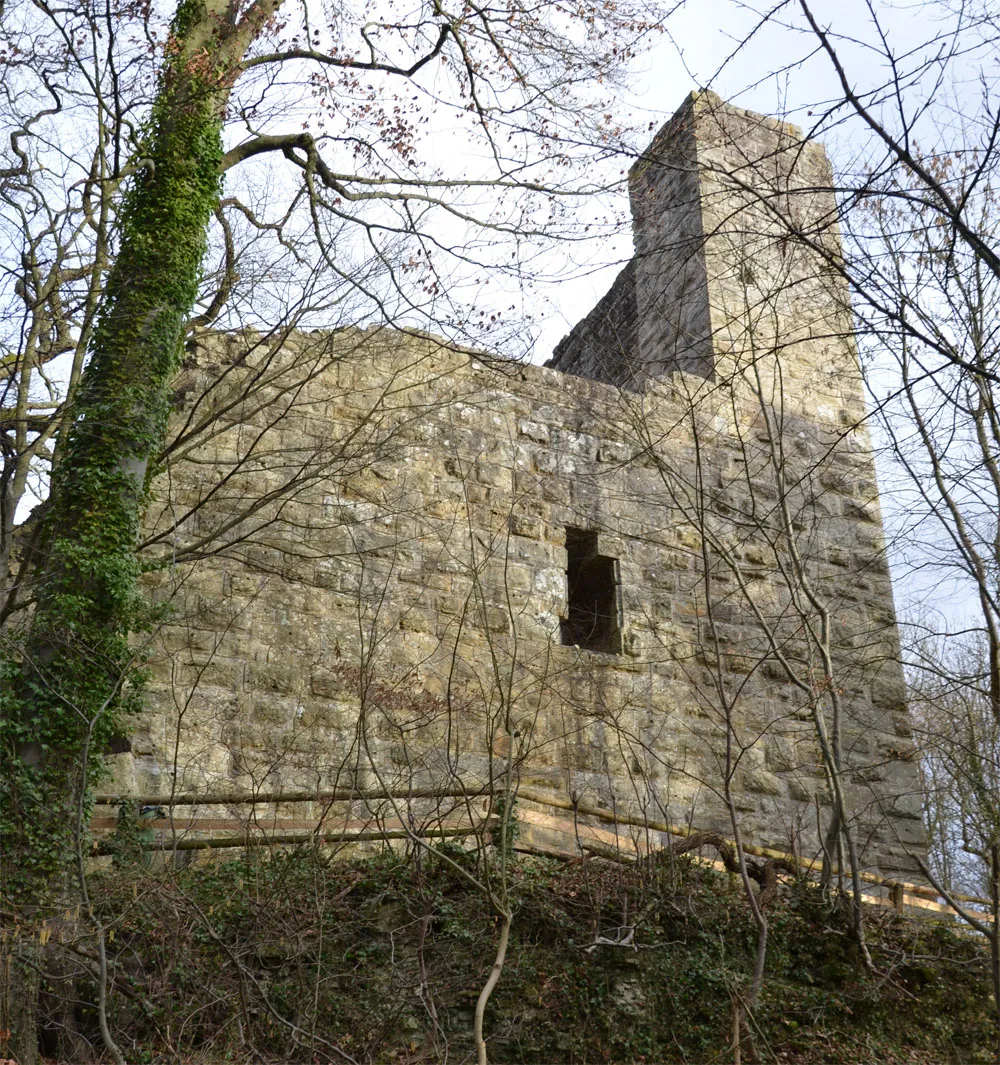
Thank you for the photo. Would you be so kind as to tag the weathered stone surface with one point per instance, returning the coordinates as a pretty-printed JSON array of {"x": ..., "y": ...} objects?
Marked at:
[{"x": 363, "y": 536}]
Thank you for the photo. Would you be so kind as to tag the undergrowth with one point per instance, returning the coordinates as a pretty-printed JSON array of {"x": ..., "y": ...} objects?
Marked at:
[{"x": 293, "y": 957}]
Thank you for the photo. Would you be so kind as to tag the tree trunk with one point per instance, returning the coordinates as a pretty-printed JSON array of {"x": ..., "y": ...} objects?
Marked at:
[
  {"x": 79, "y": 657},
  {"x": 19, "y": 986},
  {"x": 995, "y": 939},
  {"x": 59, "y": 1035},
  {"x": 491, "y": 982},
  {"x": 78, "y": 653}
]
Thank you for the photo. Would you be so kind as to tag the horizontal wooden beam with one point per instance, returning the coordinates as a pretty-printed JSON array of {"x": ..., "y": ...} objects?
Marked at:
[
  {"x": 246, "y": 841},
  {"x": 260, "y": 798},
  {"x": 652, "y": 825},
  {"x": 215, "y": 824},
  {"x": 526, "y": 794}
]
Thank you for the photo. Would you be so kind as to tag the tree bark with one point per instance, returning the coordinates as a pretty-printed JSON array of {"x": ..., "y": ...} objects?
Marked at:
[
  {"x": 19, "y": 987},
  {"x": 491, "y": 982},
  {"x": 78, "y": 657},
  {"x": 995, "y": 940}
]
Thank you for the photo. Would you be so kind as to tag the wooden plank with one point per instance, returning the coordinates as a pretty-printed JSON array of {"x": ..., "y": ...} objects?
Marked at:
[
  {"x": 902, "y": 893},
  {"x": 220, "y": 843},
  {"x": 260, "y": 798},
  {"x": 215, "y": 824}
]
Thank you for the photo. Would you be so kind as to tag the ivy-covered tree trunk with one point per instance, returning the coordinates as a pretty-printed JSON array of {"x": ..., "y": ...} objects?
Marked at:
[{"x": 65, "y": 693}]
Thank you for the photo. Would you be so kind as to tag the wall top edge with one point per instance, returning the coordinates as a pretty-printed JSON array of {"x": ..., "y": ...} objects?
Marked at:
[
  {"x": 702, "y": 103},
  {"x": 444, "y": 358}
]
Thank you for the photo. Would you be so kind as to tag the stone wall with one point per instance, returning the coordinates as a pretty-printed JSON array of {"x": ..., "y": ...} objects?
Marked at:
[
  {"x": 603, "y": 346},
  {"x": 362, "y": 537}
]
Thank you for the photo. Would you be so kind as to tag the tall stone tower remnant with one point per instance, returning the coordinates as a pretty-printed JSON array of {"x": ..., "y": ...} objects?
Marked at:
[{"x": 646, "y": 576}]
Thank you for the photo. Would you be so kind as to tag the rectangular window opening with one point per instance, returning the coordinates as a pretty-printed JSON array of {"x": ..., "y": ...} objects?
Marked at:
[{"x": 593, "y": 619}]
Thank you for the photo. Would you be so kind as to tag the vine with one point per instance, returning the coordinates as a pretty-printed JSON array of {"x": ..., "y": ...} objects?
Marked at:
[{"x": 77, "y": 675}]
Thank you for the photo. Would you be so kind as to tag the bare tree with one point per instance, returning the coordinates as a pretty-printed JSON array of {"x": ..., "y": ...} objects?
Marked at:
[
  {"x": 121, "y": 126},
  {"x": 916, "y": 197}
]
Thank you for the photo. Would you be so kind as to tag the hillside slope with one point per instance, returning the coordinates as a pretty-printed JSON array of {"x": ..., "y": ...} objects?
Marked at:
[{"x": 295, "y": 958}]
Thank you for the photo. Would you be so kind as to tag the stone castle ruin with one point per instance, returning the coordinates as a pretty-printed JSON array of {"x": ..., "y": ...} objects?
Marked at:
[{"x": 645, "y": 577}]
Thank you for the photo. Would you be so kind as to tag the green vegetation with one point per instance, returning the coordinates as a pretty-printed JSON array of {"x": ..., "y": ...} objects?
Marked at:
[
  {"x": 80, "y": 652},
  {"x": 293, "y": 957}
]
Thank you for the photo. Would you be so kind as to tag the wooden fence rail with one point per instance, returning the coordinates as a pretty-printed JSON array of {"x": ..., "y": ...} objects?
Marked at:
[
  {"x": 277, "y": 830},
  {"x": 265, "y": 798}
]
